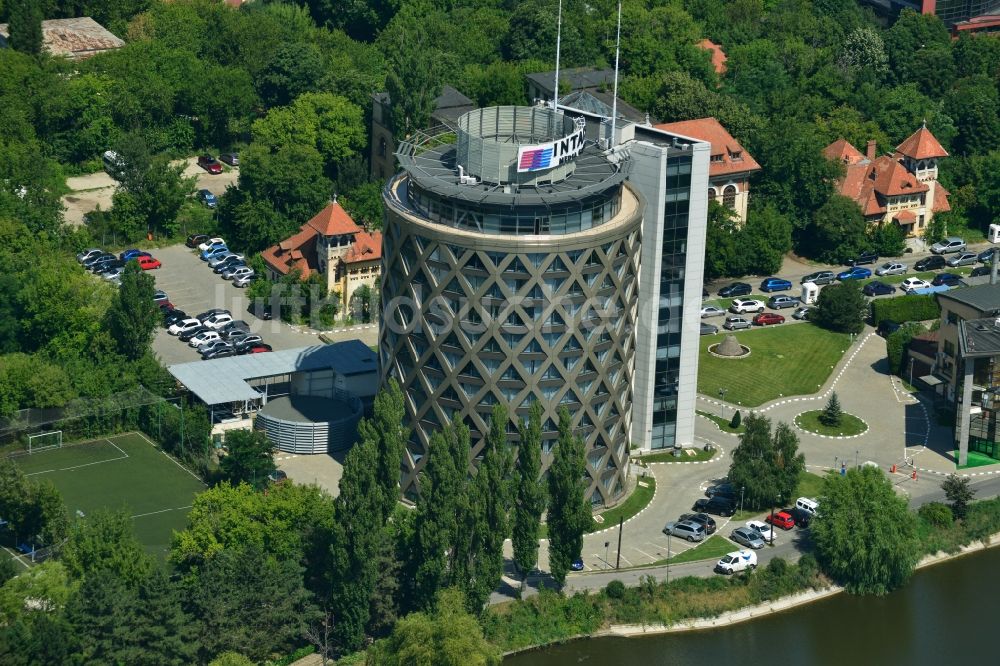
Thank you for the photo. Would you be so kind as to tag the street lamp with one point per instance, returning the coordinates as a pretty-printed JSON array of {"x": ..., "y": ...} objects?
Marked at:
[
  {"x": 777, "y": 500},
  {"x": 722, "y": 397},
  {"x": 667, "y": 532},
  {"x": 856, "y": 457},
  {"x": 911, "y": 372},
  {"x": 741, "y": 498}
]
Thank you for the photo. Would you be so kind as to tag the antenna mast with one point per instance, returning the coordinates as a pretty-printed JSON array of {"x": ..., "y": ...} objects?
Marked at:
[
  {"x": 614, "y": 101},
  {"x": 555, "y": 90}
]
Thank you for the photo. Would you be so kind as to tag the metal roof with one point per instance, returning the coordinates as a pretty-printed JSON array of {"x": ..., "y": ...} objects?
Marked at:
[
  {"x": 979, "y": 337},
  {"x": 983, "y": 297},
  {"x": 224, "y": 380}
]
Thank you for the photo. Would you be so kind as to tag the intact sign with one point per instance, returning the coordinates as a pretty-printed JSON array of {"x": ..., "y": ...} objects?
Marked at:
[{"x": 548, "y": 155}]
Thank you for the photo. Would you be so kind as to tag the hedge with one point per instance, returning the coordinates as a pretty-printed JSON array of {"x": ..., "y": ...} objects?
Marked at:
[{"x": 912, "y": 307}]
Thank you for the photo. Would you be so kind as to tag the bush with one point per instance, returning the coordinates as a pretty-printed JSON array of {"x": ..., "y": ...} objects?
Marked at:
[
  {"x": 912, "y": 307},
  {"x": 936, "y": 514},
  {"x": 615, "y": 589},
  {"x": 897, "y": 343},
  {"x": 841, "y": 307},
  {"x": 736, "y": 420}
]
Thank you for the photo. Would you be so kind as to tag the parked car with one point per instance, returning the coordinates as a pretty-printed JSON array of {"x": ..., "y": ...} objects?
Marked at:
[
  {"x": 891, "y": 268},
  {"x": 781, "y": 302},
  {"x": 722, "y": 489},
  {"x": 232, "y": 159},
  {"x": 105, "y": 265},
  {"x": 735, "y": 289},
  {"x": 174, "y": 316},
  {"x": 234, "y": 272},
  {"x": 808, "y": 504},
  {"x": 217, "y": 321},
  {"x": 244, "y": 280},
  {"x": 165, "y": 307},
  {"x": 229, "y": 263},
  {"x": 931, "y": 263},
  {"x": 148, "y": 263},
  {"x": 194, "y": 240},
  {"x": 962, "y": 259},
  {"x": 742, "y": 305},
  {"x": 212, "y": 345},
  {"x": 948, "y": 245},
  {"x": 220, "y": 352},
  {"x": 235, "y": 326},
  {"x": 818, "y": 277},
  {"x": 768, "y": 319},
  {"x": 856, "y": 273},
  {"x": 260, "y": 309},
  {"x": 711, "y": 311},
  {"x": 736, "y": 561},
  {"x": 577, "y": 564},
  {"x": 217, "y": 261},
  {"x": 242, "y": 344},
  {"x": 211, "y": 242},
  {"x": 686, "y": 530},
  {"x": 986, "y": 256},
  {"x": 112, "y": 273},
  {"x": 747, "y": 537},
  {"x": 736, "y": 323},
  {"x": 719, "y": 506},
  {"x": 258, "y": 348},
  {"x": 702, "y": 519},
  {"x": 708, "y": 329},
  {"x": 203, "y": 338},
  {"x": 782, "y": 519},
  {"x": 214, "y": 252},
  {"x": 878, "y": 288},
  {"x": 775, "y": 284},
  {"x": 209, "y": 164},
  {"x": 208, "y": 313},
  {"x": 863, "y": 258},
  {"x": 766, "y": 531},
  {"x": 183, "y": 326},
  {"x": 980, "y": 271},
  {"x": 133, "y": 254},
  {"x": 801, "y": 313},
  {"x": 277, "y": 476},
  {"x": 950, "y": 279},
  {"x": 886, "y": 327},
  {"x": 911, "y": 283},
  {"x": 207, "y": 198},
  {"x": 801, "y": 517},
  {"x": 187, "y": 335},
  {"x": 160, "y": 296},
  {"x": 89, "y": 253},
  {"x": 90, "y": 261}
]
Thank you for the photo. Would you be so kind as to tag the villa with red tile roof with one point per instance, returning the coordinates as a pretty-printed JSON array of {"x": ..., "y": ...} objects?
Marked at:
[
  {"x": 901, "y": 188},
  {"x": 729, "y": 166},
  {"x": 333, "y": 245}
]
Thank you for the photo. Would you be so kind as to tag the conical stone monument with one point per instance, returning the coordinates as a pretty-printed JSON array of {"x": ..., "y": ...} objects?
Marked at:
[{"x": 730, "y": 347}]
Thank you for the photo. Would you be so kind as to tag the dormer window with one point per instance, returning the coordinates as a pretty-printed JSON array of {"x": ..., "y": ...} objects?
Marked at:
[
  {"x": 736, "y": 155},
  {"x": 717, "y": 158}
]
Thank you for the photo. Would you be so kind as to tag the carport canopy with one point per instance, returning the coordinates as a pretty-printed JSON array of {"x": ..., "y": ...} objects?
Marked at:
[{"x": 931, "y": 380}]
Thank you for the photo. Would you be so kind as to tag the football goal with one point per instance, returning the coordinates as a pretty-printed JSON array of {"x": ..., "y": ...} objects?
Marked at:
[{"x": 44, "y": 441}]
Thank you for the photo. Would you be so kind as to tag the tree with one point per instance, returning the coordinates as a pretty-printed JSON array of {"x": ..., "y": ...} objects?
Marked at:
[
  {"x": 361, "y": 303},
  {"x": 838, "y": 232},
  {"x": 290, "y": 179},
  {"x": 841, "y": 307},
  {"x": 133, "y": 315},
  {"x": 231, "y": 659},
  {"x": 888, "y": 240},
  {"x": 973, "y": 103},
  {"x": 294, "y": 69},
  {"x": 864, "y": 50},
  {"x": 766, "y": 464},
  {"x": 868, "y": 557},
  {"x": 724, "y": 255},
  {"x": 447, "y": 636},
  {"x": 832, "y": 414},
  {"x": 569, "y": 514},
  {"x": 250, "y": 458},
  {"x": 151, "y": 191},
  {"x": 897, "y": 343},
  {"x": 764, "y": 240},
  {"x": 47, "y": 584},
  {"x": 959, "y": 492},
  {"x": 45, "y": 518},
  {"x": 25, "y": 26},
  {"x": 105, "y": 540},
  {"x": 737, "y": 419},
  {"x": 529, "y": 493}
]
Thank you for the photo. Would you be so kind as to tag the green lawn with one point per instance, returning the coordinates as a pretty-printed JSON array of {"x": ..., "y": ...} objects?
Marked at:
[
  {"x": 687, "y": 455},
  {"x": 849, "y": 424},
  {"x": 722, "y": 423},
  {"x": 636, "y": 502},
  {"x": 810, "y": 485},
  {"x": 123, "y": 471},
  {"x": 784, "y": 361},
  {"x": 976, "y": 459},
  {"x": 711, "y": 549}
]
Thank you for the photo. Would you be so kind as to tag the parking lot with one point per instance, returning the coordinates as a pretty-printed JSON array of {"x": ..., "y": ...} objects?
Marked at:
[{"x": 193, "y": 287}]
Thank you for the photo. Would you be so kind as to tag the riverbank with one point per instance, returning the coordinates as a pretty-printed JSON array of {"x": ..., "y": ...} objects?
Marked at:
[{"x": 755, "y": 611}]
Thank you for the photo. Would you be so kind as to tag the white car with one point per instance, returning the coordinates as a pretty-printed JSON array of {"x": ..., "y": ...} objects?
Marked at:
[
  {"x": 210, "y": 243},
  {"x": 801, "y": 313},
  {"x": 909, "y": 284},
  {"x": 739, "y": 560},
  {"x": 203, "y": 337},
  {"x": 215, "y": 261},
  {"x": 766, "y": 531},
  {"x": 711, "y": 311},
  {"x": 742, "y": 305},
  {"x": 183, "y": 325},
  {"x": 217, "y": 321},
  {"x": 891, "y": 268},
  {"x": 113, "y": 274}
]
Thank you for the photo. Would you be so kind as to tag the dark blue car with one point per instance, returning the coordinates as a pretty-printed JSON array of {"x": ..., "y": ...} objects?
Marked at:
[
  {"x": 856, "y": 273},
  {"x": 949, "y": 279},
  {"x": 878, "y": 288},
  {"x": 129, "y": 255},
  {"x": 775, "y": 284}
]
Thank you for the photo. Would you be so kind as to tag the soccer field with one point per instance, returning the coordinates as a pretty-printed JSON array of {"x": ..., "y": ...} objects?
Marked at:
[{"x": 121, "y": 471}]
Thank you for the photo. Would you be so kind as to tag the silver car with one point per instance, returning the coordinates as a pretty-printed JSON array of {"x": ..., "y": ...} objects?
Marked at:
[
  {"x": 748, "y": 537},
  {"x": 685, "y": 529},
  {"x": 949, "y": 244},
  {"x": 735, "y": 323},
  {"x": 891, "y": 268},
  {"x": 963, "y": 259}
]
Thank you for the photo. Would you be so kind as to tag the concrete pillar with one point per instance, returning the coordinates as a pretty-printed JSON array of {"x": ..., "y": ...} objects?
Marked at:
[{"x": 965, "y": 417}]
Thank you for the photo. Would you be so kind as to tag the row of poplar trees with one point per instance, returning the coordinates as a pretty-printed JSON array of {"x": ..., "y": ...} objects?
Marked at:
[{"x": 465, "y": 513}]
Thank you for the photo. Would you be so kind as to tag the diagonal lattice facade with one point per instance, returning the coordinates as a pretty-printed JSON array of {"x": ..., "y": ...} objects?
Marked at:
[{"x": 474, "y": 319}]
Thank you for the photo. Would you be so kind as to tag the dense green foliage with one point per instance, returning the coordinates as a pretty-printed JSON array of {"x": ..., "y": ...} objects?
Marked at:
[
  {"x": 34, "y": 509},
  {"x": 249, "y": 458},
  {"x": 866, "y": 556},
  {"x": 569, "y": 514},
  {"x": 897, "y": 343},
  {"x": 901, "y": 309},
  {"x": 959, "y": 492},
  {"x": 529, "y": 493},
  {"x": 767, "y": 463},
  {"x": 841, "y": 307}
]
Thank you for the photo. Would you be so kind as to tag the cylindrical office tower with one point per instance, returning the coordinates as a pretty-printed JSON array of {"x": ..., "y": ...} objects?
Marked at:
[{"x": 510, "y": 265}]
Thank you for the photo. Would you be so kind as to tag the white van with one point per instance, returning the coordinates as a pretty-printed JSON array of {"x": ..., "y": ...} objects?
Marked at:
[
  {"x": 739, "y": 560},
  {"x": 112, "y": 162},
  {"x": 809, "y": 505}
]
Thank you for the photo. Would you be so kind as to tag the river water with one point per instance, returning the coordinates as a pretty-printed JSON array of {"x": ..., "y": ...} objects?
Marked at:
[{"x": 945, "y": 615}]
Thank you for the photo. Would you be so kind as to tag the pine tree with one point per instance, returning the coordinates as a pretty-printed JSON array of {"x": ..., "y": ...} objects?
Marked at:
[
  {"x": 163, "y": 632},
  {"x": 736, "y": 420},
  {"x": 529, "y": 493},
  {"x": 26, "y": 26},
  {"x": 832, "y": 414},
  {"x": 133, "y": 314},
  {"x": 569, "y": 514}
]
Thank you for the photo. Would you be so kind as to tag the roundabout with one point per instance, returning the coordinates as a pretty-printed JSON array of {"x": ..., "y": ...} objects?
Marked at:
[{"x": 850, "y": 425}]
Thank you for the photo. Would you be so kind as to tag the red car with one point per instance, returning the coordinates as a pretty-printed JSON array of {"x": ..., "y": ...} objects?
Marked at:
[
  {"x": 768, "y": 318},
  {"x": 259, "y": 349},
  {"x": 209, "y": 164},
  {"x": 781, "y": 519},
  {"x": 148, "y": 263}
]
